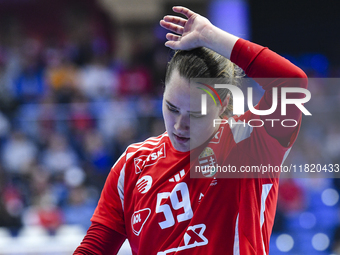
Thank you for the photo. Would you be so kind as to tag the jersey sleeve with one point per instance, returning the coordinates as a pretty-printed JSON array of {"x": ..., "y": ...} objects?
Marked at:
[
  {"x": 100, "y": 240},
  {"x": 271, "y": 70},
  {"x": 109, "y": 211}
]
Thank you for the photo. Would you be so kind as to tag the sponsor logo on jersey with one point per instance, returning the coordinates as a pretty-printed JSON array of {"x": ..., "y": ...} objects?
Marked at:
[
  {"x": 138, "y": 220},
  {"x": 192, "y": 238},
  {"x": 144, "y": 184},
  {"x": 217, "y": 137},
  {"x": 177, "y": 176},
  {"x": 207, "y": 161},
  {"x": 148, "y": 160}
]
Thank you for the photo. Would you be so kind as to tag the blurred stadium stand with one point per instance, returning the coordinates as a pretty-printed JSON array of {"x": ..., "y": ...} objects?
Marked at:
[{"x": 82, "y": 79}]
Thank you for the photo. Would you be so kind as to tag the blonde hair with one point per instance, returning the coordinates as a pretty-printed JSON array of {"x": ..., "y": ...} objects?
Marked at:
[{"x": 205, "y": 63}]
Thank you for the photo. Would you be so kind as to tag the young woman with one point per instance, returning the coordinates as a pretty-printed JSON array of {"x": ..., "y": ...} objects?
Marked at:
[{"x": 149, "y": 197}]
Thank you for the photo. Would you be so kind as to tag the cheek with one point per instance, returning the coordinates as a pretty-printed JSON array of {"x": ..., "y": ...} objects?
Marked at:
[
  {"x": 168, "y": 120},
  {"x": 202, "y": 128},
  {"x": 200, "y": 132}
]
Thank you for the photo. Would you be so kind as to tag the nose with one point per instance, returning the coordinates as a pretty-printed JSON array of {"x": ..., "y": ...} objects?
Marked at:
[{"x": 182, "y": 123}]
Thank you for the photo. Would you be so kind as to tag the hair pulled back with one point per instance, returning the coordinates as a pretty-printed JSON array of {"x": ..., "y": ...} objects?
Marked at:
[{"x": 205, "y": 63}]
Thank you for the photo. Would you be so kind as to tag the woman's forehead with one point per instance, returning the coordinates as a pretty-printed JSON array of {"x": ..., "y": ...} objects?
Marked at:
[
  {"x": 180, "y": 84},
  {"x": 189, "y": 99}
]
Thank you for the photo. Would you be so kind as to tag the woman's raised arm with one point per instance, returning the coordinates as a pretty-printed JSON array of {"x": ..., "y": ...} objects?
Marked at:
[{"x": 196, "y": 31}]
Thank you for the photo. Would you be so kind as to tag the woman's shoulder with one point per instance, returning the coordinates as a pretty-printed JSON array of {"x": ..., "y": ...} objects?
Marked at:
[{"x": 147, "y": 146}]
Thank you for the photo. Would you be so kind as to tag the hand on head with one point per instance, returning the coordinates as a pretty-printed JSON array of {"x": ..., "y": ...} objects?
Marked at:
[{"x": 187, "y": 33}]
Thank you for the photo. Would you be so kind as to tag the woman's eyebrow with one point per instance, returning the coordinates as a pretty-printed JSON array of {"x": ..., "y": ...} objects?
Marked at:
[{"x": 170, "y": 104}]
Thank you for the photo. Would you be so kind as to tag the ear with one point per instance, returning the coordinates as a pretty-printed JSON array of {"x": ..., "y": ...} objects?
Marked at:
[{"x": 225, "y": 104}]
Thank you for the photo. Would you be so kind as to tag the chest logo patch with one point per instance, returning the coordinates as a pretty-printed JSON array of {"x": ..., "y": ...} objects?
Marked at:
[
  {"x": 207, "y": 161},
  {"x": 144, "y": 184},
  {"x": 138, "y": 220}
]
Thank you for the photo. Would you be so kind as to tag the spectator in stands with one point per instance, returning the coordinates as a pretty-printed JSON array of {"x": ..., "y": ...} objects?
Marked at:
[
  {"x": 58, "y": 155},
  {"x": 18, "y": 153}
]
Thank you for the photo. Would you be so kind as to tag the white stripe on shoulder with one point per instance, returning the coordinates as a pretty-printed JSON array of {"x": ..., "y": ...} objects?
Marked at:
[
  {"x": 120, "y": 185},
  {"x": 134, "y": 145},
  {"x": 130, "y": 154},
  {"x": 141, "y": 146},
  {"x": 158, "y": 137},
  {"x": 151, "y": 141},
  {"x": 241, "y": 130},
  {"x": 121, "y": 156},
  {"x": 144, "y": 143}
]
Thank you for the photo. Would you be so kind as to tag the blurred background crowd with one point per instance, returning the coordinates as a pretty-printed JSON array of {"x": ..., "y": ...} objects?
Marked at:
[{"x": 82, "y": 79}]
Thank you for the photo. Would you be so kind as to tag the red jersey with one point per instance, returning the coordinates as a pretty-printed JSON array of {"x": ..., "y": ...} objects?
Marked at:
[{"x": 150, "y": 198}]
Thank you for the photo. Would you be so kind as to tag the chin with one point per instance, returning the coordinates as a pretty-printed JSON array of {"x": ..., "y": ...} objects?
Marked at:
[
  {"x": 182, "y": 149},
  {"x": 179, "y": 147}
]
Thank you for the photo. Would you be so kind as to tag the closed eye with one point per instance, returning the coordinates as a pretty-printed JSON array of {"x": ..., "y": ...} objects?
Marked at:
[{"x": 172, "y": 109}]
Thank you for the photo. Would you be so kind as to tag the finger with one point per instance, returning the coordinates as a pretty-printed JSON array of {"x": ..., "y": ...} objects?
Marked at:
[
  {"x": 176, "y": 20},
  {"x": 172, "y": 27},
  {"x": 183, "y": 10},
  {"x": 172, "y": 37},
  {"x": 173, "y": 45}
]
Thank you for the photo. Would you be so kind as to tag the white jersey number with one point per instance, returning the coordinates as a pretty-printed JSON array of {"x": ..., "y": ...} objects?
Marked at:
[{"x": 185, "y": 203}]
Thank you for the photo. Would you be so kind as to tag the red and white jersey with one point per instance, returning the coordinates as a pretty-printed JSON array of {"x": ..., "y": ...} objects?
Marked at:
[{"x": 150, "y": 197}]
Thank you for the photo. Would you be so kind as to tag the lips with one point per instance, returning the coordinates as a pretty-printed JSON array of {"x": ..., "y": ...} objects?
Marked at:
[{"x": 181, "y": 139}]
